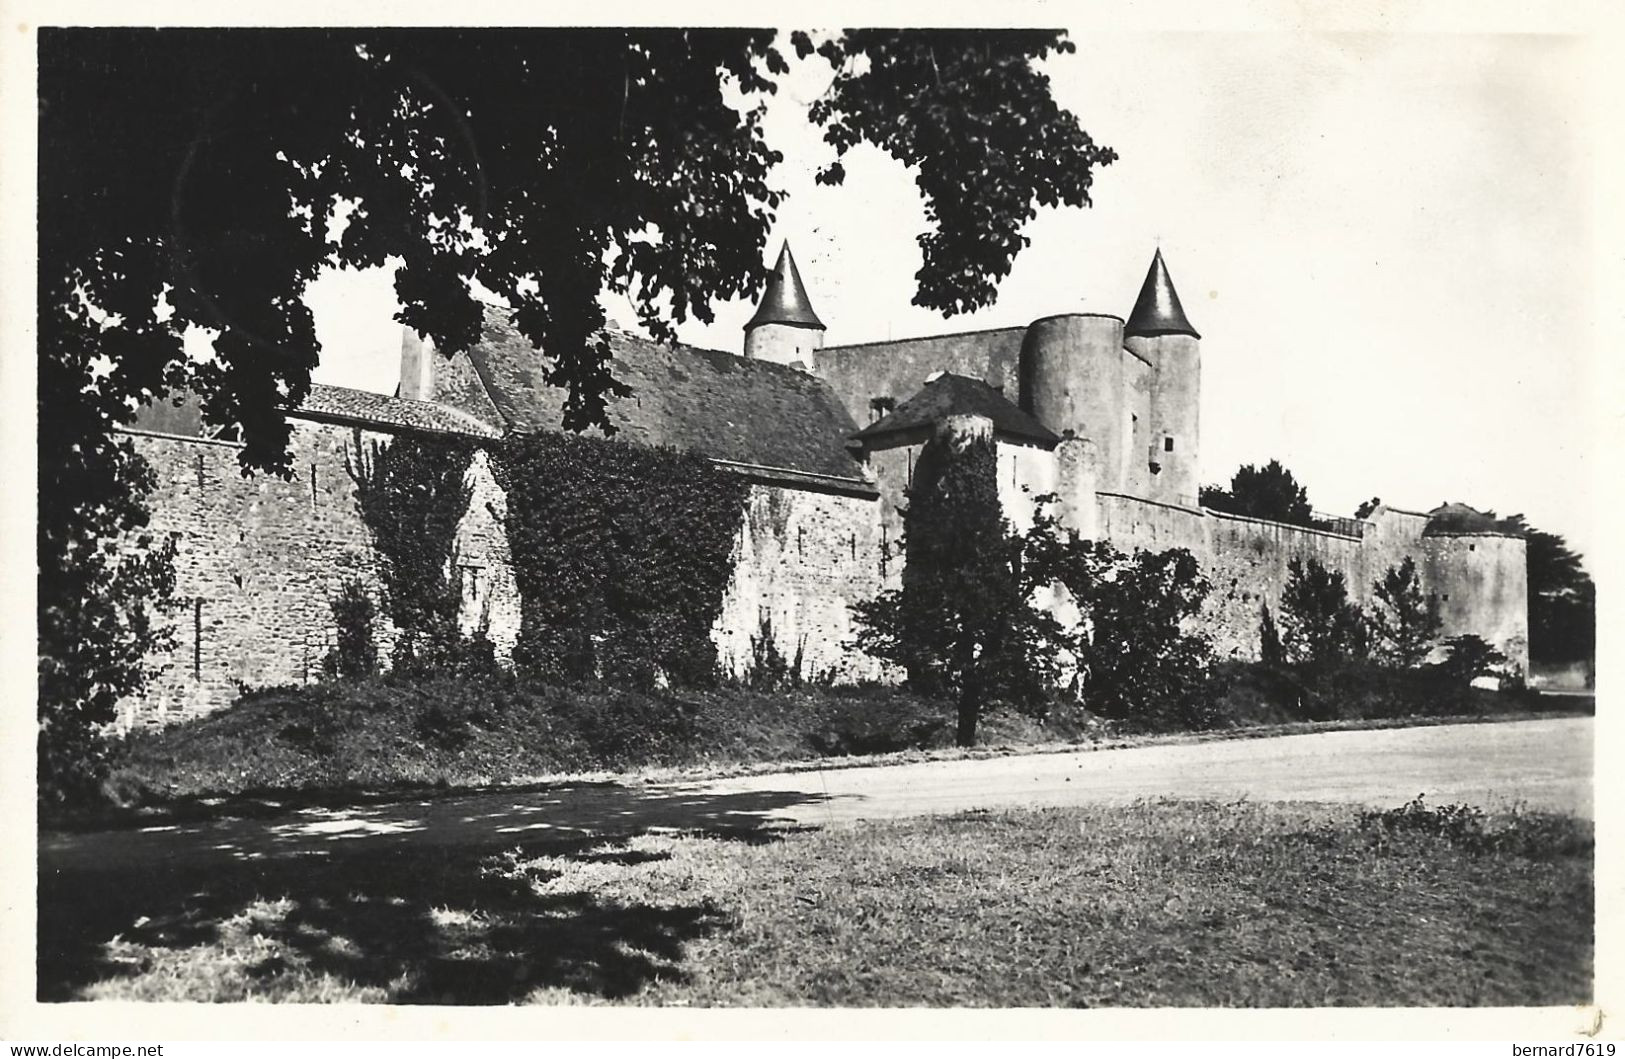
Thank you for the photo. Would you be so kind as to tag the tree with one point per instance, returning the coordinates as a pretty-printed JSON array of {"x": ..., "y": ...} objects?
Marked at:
[
  {"x": 963, "y": 624},
  {"x": 1139, "y": 663},
  {"x": 102, "y": 576},
  {"x": 1271, "y": 651},
  {"x": 1320, "y": 625},
  {"x": 204, "y": 178},
  {"x": 1405, "y": 623},
  {"x": 1262, "y": 492}
]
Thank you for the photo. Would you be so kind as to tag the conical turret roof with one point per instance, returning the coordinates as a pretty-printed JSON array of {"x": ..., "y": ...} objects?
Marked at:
[
  {"x": 1157, "y": 311},
  {"x": 785, "y": 299}
]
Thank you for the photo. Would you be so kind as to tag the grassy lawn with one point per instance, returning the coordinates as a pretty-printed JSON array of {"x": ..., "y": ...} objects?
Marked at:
[{"x": 1167, "y": 903}]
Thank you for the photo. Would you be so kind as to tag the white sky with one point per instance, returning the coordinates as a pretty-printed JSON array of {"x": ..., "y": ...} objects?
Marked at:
[{"x": 1385, "y": 241}]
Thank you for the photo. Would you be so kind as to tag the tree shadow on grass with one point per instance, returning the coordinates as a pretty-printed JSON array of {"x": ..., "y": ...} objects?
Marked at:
[{"x": 409, "y": 908}]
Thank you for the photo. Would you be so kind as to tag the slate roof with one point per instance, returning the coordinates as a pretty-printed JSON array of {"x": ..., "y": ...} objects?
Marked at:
[
  {"x": 360, "y": 406},
  {"x": 1157, "y": 310},
  {"x": 785, "y": 300},
  {"x": 948, "y": 395},
  {"x": 717, "y": 404},
  {"x": 329, "y": 403}
]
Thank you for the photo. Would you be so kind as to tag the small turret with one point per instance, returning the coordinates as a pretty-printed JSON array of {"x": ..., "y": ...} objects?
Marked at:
[
  {"x": 1158, "y": 332},
  {"x": 785, "y": 329},
  {"x": 1157, "y": 311}
]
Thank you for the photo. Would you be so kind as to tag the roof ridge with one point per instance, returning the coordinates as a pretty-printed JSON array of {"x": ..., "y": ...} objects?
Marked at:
[{"x": 922, "y": 408}]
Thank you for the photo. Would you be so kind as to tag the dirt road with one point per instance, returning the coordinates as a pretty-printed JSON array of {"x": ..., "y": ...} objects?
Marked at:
[{"x": 1545, "y": 764}]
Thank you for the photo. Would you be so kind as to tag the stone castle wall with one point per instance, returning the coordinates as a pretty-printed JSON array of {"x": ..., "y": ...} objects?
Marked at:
[
  {"x": 897, "y": 369},
  {"x": 1481, "y": 582},
  {"x": 257, "y": 562},
  {"x": 260, "y": 559},
  {"x": 800, "y": 560}
]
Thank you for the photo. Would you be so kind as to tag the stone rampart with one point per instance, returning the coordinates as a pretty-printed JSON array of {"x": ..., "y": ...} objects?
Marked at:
[
  {"x": 1481, "y": 582},
  {"x": 260, "y": 559}
]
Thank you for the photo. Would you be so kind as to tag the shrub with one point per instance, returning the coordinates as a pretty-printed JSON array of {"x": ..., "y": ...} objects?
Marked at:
[
  {"x": 769, "y": 669},
  {"x": 102, "y": 581},
  {"x": 1461, "y": 825},
  {"x": 1320, "y": 624},
  {"x": 354, "y": 654},
  {"x": 1404, "y": 623},
  {"x": 621, "y": 728},
  {"x": 1270, "y": 649},
  {"x": 1269, "y": 492},
  {"x": 1469, "y": 657},
  {"x": 1138, "y": 661},
  {"x": 886, "y": 725}
]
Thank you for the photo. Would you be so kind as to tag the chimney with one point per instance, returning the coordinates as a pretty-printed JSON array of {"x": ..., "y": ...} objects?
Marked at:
[{"x": 417, "y": 367}]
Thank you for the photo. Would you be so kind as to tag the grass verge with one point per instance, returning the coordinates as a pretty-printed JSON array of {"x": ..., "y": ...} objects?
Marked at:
[
  {"x": 330, "y": 742},
  {"x": 1156, "y": 904},
  {"x": 385, "y": 734}
]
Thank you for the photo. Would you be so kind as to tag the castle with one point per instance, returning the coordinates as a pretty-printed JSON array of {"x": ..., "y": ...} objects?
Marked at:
[{"x": 1099, "y": 411}]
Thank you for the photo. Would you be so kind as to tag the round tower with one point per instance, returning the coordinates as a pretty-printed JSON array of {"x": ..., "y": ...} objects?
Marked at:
[
  {"x": 1072, "y": 382},
  {"x": 1479, "y": 572},
  {"x": 785, "y": 329},
  {"x": 1159, "y": 333}
]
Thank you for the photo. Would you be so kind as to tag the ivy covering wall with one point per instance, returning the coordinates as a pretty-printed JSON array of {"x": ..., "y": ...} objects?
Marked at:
[
  {"x": 621, "y": 554},
  {"x": 413, "y": 492}
]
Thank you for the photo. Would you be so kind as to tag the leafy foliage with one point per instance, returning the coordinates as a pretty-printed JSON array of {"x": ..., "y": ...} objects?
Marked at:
[
  {"x": 101, "y": 580},
  {"x": 1139, "y": 661},
  {"x": 187, "y": 179},
  {"x": 1468, "y": 657},
  {"x": 1405, "y": 623},
  {"x": 771, "y": 670},
  {"x": 188, "y": 162},
  {"x": 1269, "y": 492},
  {"x": 621, "y": 554},
  {"x": 412, "y": 493},
  {"x": 1320, "y": 624},
  {"x": 355, "y": 650},
  {"x": 963, "y": 625},
  {"x": 928, "y": 100}
]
